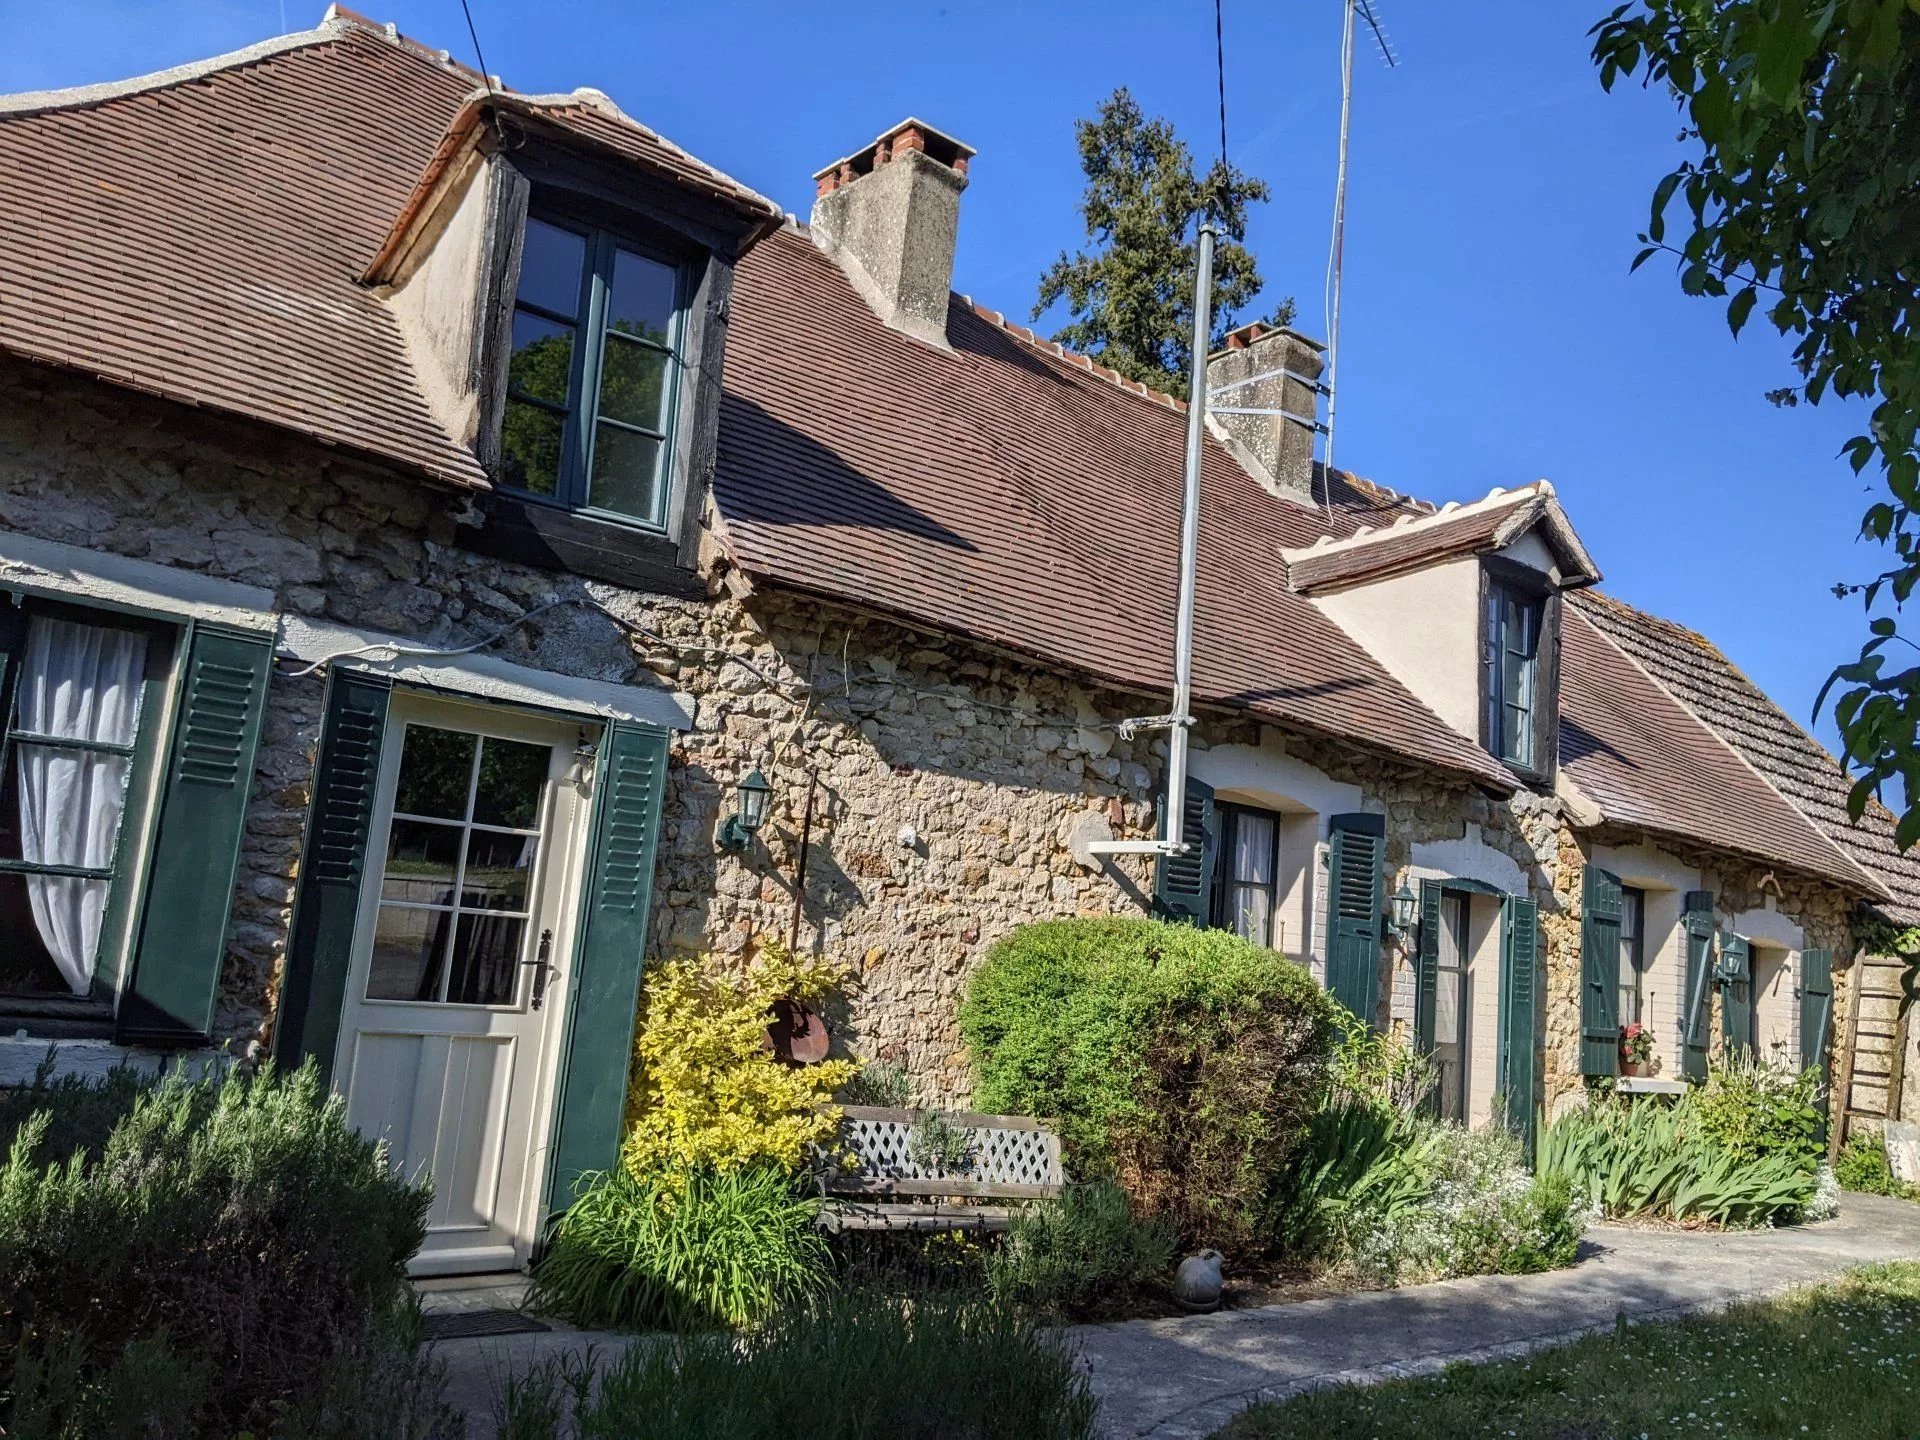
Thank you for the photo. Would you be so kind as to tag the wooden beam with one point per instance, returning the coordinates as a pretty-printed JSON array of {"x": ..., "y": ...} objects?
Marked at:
[{"x": 1843, "y": 1088}]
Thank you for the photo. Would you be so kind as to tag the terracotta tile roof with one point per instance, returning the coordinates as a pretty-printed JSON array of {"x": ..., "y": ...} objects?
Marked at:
[
  {"x": 1650, "y": 763},
  {"x": 1414, "y": 540},
  {"x": 1710, "y": 685},
  {"x": 1003, "y": 492},
  {"x": 199, "y": 237}
]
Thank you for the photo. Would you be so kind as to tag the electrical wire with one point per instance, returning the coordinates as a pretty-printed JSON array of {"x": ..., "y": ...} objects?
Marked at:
[
  {"x": 486, "y": 76},
  {"x": 1220, "y": 66}
]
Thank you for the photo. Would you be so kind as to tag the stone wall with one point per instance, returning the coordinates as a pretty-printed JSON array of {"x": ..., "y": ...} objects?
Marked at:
[{"x": 945, "y": 782}]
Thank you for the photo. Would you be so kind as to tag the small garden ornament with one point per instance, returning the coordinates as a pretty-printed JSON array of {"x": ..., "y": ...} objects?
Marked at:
[
  {"x": 1636, "y": 1049},
  {"x": 1197, "y": 1283}
]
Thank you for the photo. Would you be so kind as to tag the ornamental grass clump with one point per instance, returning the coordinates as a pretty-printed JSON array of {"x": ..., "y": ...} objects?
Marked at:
[
  {"x": 1181, "y": 1062},
  {"x": 708, "y": 1248},
  {"x": 708, "y": 1093}
]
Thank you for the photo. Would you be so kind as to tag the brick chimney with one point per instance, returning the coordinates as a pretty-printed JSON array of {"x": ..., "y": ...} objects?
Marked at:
[
  {"x": 1276, "y": 369},
  {"x": 889, "y": 215}
]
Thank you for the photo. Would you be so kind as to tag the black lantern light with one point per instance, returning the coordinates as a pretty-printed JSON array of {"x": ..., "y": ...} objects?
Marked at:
[
  {"x": 1406, "y": 909},
  {"x": 736, "y": 831}
]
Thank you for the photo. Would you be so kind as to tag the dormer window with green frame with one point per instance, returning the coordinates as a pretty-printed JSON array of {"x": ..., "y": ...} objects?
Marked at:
[
  {"x": 1519, "y": 668},
  {"x": 594, "y": 376}
]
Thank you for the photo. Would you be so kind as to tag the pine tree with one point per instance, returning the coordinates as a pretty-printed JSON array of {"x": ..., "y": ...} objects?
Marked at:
[{"x": 1131, "y": 292}]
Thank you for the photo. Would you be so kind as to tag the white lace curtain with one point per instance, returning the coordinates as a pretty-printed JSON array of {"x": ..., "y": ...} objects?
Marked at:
[{"x": 77, "y": 682}]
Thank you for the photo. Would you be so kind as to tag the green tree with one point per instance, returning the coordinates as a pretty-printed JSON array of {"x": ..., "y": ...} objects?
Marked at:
[
  {"x": 1131, "y": 292},
  {"x": 1801, "y": 198}
]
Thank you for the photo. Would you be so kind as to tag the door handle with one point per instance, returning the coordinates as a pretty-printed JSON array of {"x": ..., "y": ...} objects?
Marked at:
[{"x": 543, "y": 964}]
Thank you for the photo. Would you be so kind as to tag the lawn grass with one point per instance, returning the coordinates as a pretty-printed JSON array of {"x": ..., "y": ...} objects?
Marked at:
[{"x": 1840, "y": 1360}]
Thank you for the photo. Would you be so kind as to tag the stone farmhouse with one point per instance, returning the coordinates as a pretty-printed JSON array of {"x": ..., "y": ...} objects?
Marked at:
[{"x": 458, "y": 546}]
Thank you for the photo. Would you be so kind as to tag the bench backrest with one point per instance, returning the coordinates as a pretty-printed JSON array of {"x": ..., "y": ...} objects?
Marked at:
[{"x": 1011, "y": 1157}]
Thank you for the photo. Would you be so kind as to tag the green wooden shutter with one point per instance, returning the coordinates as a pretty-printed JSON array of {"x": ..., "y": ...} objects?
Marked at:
[
  {"x": 1736, "y": 995},
  {"x": 1698, "y": 925},
  {"x": 327, "y": 908},
  {"x": 605, "y": 984},
  {"x": 196, "y": 844},
  {"x": 1183, "y": 884},
  {"x": 1426, "y": 975},
  {"x": 1356, "y": 853},
  {"x": 1816, "y": 1009},
  {"x": 1519, "y": 1011},
  {"x": 1599, "y": 973}
]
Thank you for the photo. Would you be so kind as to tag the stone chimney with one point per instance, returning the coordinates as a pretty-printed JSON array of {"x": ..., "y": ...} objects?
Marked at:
[
  {"x": 1272, "y": 369},
  {"x": 889, "y": 215}
]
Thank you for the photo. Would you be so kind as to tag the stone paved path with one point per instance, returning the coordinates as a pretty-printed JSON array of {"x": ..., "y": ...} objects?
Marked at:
[{"x": 1183, "y": 1379}]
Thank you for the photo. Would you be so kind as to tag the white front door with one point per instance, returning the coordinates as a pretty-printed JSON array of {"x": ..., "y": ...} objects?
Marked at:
[{"x": 453, "y": 1015}]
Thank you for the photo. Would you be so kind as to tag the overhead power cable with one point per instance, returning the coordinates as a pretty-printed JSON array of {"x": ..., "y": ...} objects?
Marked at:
[{"x": 473, "y": 31}]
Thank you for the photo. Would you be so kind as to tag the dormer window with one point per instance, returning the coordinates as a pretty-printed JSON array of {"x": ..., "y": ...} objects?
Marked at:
[
  {"x": 593, "y": 382},
  {"x": 1518, "y": 702}
]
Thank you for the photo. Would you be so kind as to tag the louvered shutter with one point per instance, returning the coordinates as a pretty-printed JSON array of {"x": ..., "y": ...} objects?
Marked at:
[
  {"x": 1697, "y": 922},
  {"x": 605, "y": 984},
  {"x": 196, "y": 844},
  {"x": 327, "y": 907},
  {"x": 1600, "y": 907},
  {"x": 1426, "y": 976},
  {"x": 1356, "y": 846},
  {"x": 1183, "y": 884},
  {"x": 1519, "y": 1016},
  {"x": 1816, "y": 1009},
  {"x": 1736, "y": 995}
]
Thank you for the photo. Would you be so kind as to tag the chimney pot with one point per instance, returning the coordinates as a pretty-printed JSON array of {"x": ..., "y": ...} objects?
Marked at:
[
  {"x": 889, "y": 215},
  {"x": 1287, "y": 366}
]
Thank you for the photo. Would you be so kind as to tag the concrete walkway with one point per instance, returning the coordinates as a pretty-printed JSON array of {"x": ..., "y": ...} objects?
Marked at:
[{"x": 1183, "y": 1379}]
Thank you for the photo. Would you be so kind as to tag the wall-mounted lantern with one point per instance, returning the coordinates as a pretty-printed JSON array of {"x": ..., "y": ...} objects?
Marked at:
[
  {"x": 736, "y": 831},
  {"x": 1404, "y": 913}
]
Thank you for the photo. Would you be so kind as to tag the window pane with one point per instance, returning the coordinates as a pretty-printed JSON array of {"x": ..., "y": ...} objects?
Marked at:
[
  {"x": 486, "y": 960},
  {"x": 624, "y": 469},
  {"x": 498, "y": 869},
  {"x": 644, "y": 296},
  {"x": 530, "y": 443},
  {"x": 407, "y": 949},
  {"x": 1252, "y": 913},
  {"x": 633, "y": 383},
  {"x": 26, "y": 965},
  {"x": 421, "y": 857},
  {"x": 1253, "y": 847},
  {"x": 542, "y": 362},
  {"x": 436, "y": 772},
  {"x": 550, "y": 268},
  {"x": 513, "y": 776}
]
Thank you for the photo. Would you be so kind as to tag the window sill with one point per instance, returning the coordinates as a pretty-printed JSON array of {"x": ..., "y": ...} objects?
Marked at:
[
  {"x": 55, "y": 1017},
  {"x": 532, "y": 532},
  {"x": 1649, "y": 1085}
]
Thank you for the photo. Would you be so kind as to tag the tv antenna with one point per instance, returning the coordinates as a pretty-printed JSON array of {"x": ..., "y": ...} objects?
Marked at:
[{"x": 1336, "y": 255}]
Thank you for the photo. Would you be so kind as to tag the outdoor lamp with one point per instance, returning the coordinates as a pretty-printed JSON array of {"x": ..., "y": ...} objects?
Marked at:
[
  {"x": 736, "y": 832},
  {"x": 1406, "y": 909}
]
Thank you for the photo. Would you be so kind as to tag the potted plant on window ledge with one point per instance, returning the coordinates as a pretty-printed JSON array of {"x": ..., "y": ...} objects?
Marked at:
[{"x": 1636, "y": 1049}]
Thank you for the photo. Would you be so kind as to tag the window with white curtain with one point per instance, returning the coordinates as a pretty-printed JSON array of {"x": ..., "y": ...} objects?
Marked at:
[
  {"x": 74, "y": 693},
  {"x": 1247, "y": 873}
]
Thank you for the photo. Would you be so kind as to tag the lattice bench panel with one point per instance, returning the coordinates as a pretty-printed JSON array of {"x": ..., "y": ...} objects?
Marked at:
[{"x": 1012, "y": 1158}]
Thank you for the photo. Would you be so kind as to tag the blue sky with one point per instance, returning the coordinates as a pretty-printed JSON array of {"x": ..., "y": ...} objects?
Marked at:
[{"x": 1492, "y": 334}]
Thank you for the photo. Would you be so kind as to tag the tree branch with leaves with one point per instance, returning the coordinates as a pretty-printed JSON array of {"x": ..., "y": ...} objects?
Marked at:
[{"x": 1801, "y": 202}]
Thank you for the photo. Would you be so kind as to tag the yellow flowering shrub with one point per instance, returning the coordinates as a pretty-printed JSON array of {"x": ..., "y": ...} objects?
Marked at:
[{"x": 707, "y": 1091}]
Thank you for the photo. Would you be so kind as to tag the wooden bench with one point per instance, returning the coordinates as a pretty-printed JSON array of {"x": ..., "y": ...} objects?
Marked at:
[{"x": 1012, "y": 1161}]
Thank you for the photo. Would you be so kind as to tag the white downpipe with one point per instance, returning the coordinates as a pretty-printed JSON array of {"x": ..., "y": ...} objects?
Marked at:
[{"x": 1174, "y": 842}]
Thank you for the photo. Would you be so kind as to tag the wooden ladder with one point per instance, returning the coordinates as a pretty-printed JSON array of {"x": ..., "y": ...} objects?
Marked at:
[{"x": 1871, "y": 1063}]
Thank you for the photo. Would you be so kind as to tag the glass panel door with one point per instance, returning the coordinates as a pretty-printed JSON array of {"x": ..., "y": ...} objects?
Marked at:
[{"x": 1450, "y": 1048}]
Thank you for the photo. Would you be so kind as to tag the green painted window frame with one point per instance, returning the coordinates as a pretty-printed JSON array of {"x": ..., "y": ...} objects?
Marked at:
[
  {"x": 1633, "y": 953},
  {"x": 165, "y": 654},
  {"x": 1511, "y": 673},
  {"x": 1227, "y": 887},
  {"x": 581, "y": 416}
]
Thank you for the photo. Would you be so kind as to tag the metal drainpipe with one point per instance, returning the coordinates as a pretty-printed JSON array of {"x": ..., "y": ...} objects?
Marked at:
[{"x": 1173, "y": 841}]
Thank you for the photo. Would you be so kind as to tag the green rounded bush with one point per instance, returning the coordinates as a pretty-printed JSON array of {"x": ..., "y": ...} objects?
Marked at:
[{"x": 1182, "y": 1062}]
